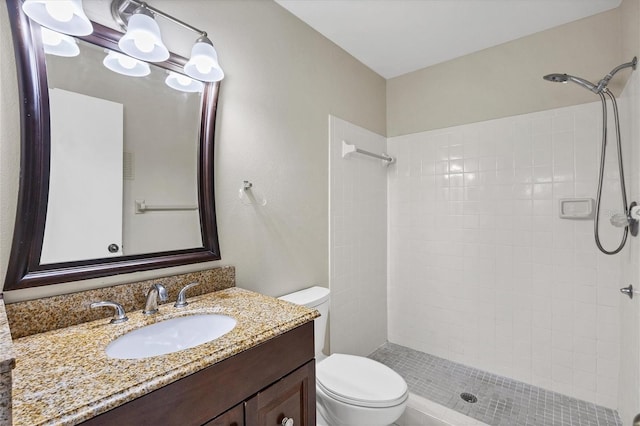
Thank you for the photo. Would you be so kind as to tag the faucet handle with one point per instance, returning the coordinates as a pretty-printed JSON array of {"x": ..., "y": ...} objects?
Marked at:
[
  {"x": 119, "y": 317},
  {"x": 182, "y": 296}
]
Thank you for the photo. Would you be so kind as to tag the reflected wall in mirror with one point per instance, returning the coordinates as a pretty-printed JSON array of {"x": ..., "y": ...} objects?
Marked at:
[
  {"x": 115, "y": 139},
  {"x": 116, "y": 170}
]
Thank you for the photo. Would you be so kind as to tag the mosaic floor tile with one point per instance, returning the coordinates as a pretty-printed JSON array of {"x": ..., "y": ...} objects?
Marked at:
[{"x": 501, "y": 401}]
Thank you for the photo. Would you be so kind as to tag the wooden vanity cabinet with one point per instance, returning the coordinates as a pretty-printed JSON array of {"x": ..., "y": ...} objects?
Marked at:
[
  {"x": 288, "y": 397},
  {"x": 256, "y": 387},
  {"x": 233, "y": 417}
]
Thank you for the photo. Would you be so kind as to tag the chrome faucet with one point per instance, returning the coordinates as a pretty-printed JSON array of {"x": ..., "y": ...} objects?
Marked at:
[
  {"x": 119, "y": 316},
  {"x": 156, "y": 291},
  {"x": 182, "y": 296}
]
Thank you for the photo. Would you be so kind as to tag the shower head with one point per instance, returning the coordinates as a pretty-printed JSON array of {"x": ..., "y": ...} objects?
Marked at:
[
  {"x": 595, "y": 88},
  {"x": 563, "y": 78},
  {"x": 557, "y": 78}
]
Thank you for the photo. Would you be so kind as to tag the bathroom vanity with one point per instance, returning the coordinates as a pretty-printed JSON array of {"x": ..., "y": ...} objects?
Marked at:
[
  {"x": 263, "y": 385},
  {"x": 260, "y": 373}
]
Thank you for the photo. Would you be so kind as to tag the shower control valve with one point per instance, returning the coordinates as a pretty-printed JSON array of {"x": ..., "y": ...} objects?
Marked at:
[{"x": 628, "y": 291}]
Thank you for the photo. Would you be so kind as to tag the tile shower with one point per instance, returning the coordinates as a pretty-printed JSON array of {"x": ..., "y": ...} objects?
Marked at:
[
  {"x": 481, "y": 269},
  {"x": 491, "y": 275}
]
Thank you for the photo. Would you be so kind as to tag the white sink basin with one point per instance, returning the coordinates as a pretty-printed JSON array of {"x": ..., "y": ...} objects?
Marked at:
[{"x": 170, "y": 335}]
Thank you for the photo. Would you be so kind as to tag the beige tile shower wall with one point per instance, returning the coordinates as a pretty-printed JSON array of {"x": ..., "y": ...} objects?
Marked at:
[
  {"x": 482, "y": 269},
  {"x": 358, "y": 249}
]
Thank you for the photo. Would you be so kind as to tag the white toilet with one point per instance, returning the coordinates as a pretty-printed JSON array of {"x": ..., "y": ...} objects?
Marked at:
[{"x": 350, "y": 390}]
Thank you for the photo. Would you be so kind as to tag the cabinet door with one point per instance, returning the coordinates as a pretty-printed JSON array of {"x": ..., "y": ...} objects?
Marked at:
[
  {"x": 233, "y": 417},
  {"x": 293, "y": 397}
]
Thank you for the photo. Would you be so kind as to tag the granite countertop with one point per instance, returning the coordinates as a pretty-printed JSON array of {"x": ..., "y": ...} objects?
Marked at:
[
  {"x": 63, "y": 377},
  {"x": 7, "y": 354}
]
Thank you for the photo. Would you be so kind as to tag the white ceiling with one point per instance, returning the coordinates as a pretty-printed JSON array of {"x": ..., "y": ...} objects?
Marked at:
[{"x": 394, "y": 37}]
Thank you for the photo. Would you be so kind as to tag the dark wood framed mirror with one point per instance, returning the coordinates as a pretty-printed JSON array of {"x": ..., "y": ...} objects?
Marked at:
[{"x": 25, "y": 268}]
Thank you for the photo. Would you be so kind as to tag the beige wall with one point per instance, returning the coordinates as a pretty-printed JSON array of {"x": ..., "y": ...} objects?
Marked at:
[
  {"x": 282, "y": 81},
  {"x": 507, "y": 79}
]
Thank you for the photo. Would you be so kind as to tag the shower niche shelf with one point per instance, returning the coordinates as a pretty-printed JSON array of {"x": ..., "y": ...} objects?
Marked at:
[{"x": 576, "y": 208}]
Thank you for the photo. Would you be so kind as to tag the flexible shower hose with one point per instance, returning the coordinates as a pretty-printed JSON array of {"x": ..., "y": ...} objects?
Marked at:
[{"x": 623, "y": 189}]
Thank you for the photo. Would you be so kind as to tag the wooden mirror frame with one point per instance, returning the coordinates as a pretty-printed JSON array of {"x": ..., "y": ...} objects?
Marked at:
[{"x": 24, "y": 269}]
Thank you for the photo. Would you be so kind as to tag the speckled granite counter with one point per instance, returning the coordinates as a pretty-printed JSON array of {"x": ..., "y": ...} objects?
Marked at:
[
  {"x": 7, "y": 363},
  {"x": 63, "y": 377},
  {"x": 49, "y": 313}
]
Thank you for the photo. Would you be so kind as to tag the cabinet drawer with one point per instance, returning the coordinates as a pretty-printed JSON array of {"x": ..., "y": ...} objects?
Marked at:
[
  {"x": 233, "y": 417},
  {"x": 292, "y": 397}
]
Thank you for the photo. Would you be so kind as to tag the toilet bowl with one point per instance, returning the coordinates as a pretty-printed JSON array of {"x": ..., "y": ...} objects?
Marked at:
[
  {"x": 353, "y": 390},
  {"x": 350, "y": 390}
]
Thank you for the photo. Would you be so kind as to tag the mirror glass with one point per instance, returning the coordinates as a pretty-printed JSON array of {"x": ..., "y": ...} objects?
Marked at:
[
  {"x": 116, "y": 171},
  {"x": 124, "y": 151}
]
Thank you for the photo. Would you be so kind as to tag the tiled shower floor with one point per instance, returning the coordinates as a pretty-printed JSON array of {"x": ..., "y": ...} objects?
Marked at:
[{"x": 501, "y": 401}]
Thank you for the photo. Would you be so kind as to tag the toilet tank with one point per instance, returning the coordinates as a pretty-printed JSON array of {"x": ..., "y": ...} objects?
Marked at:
[{"x": 314, "y": 298}]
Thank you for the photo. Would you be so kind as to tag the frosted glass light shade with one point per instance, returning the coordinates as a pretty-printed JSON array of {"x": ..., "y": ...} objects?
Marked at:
[
  {"x": 123, "y": 64},
  {"x": 58, "y": 44},
  {"x": 203, "y": 64},
  {"x": 63, "y": 16},
  {"x": 143, "y": 39},
  {"x": 183, "y": 83}
]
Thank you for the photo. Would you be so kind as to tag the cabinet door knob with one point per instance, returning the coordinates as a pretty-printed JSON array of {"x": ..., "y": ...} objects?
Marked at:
[{"x": 287, "y": 421}]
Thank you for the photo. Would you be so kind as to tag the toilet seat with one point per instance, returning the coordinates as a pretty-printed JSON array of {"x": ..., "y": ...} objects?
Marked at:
[{"x": 360, "y": 381}]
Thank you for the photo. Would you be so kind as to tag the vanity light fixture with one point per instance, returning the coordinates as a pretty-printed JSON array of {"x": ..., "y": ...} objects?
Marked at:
[
  {"x": 203, "y": 64},
  {"x": 126, "y": 65},
  {"x": 183, "y": 83},
  {"x": 64, "y": 16},
  {"x": 55, "y": 43},
  {"x": 143, "y": 39}
]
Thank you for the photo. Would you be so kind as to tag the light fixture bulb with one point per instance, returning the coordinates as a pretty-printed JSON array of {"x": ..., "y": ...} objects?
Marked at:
[
  {"x": 184, "y": 80},
  {"x": 60, "y": 10},
  {"x": 143, "y": 39},
  {"x": 64, "y": 16},
  {"x": 127, "y": 61},
  {"x": 51, "y": 38},
  {"x": 183, "y": 83},
  {"x": 125, "y": 65},
  {"x": 58, "y": 44},
  {"x": 144, "y": 42},
  {"x": 203, "y": 64}
]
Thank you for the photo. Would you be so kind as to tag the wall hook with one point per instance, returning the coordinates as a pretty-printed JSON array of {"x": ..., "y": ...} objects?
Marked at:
[{"x": 248, "y": 195}]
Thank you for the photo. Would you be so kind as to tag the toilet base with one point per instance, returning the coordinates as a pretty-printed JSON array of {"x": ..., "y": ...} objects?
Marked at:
[
  {"x": 320, "y": 421},
  {"x": 330, "y": 412}
]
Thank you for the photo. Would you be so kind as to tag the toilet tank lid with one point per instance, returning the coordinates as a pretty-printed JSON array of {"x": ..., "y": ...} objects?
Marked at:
[{"x": 309, "y": 297}]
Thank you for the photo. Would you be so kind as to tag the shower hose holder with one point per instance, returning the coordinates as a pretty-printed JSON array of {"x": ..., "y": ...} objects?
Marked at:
[{"x": 630, "y": 219}]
